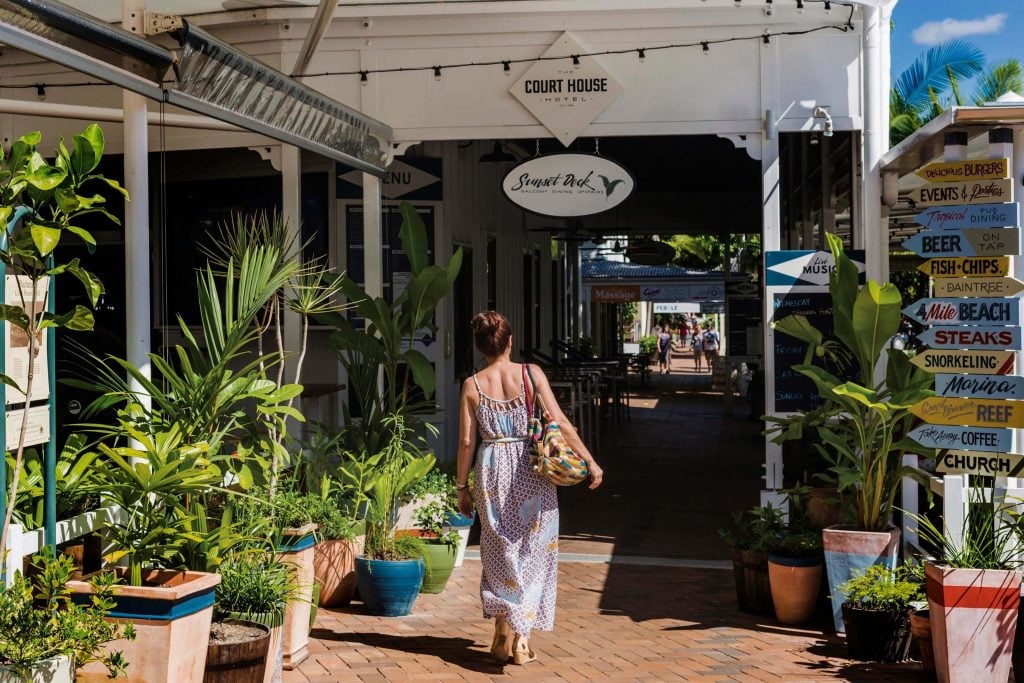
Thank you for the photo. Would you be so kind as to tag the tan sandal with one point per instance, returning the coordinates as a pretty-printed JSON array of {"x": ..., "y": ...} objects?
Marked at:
[
  {"x": 521, "y": 652},
  {"x": 501, "y": 647}
]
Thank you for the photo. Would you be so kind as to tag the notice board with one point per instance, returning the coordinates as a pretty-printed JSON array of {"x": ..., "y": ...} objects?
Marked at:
[{"x": 793, "y": 391}]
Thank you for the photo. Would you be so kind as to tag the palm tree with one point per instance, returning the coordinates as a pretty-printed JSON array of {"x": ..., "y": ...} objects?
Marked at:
[
  {"x": 919, "y": 94},
  {"x": 998, "y": 80}
]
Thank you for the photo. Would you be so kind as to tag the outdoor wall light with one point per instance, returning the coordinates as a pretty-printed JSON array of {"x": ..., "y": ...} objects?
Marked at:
[
  {"x": 768, "y": 7},
  {"x": 497, "y": 155},
  {"x": 822, "y": 113}
]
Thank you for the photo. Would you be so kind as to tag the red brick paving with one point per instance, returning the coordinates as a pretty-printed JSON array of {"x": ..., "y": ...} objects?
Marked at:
[{"x": 674, "y": 474}]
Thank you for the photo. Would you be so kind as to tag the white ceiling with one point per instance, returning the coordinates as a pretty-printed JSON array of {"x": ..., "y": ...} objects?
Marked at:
[{"x": 110, "y": 10}]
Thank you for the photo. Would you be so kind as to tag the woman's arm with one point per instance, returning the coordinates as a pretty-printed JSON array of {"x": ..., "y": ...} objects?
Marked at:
[
  {"x": 572, "y": 437},
  {"x": 467, "y": 439}
]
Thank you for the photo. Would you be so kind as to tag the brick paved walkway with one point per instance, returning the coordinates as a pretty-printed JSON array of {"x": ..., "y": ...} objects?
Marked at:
[{"x": 674, "y": 474}]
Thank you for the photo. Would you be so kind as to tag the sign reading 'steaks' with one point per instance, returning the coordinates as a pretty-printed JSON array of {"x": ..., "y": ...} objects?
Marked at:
[
  {"x": 985, "y": 337},
  {"x": 970, "y": 216},
  {"x": 970, "y": 311},
  {"x": 971, "y": 242}
]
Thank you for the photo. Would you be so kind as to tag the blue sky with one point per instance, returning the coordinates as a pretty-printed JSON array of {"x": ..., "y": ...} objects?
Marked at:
[{"x": 995, "y": 26}]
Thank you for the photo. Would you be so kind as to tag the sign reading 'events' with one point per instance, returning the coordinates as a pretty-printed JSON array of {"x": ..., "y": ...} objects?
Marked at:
[
  {"x": 968, "y": 362},
  {"x": 994, "y": 266},
  {"x": 976, "y": 216},
  {"x": 970, "y": 412},
  {"x": 977, "y": 286},
  {"x": 971, "y": 192},
  {"x": 979, "y": 337},
  {"x": 979, "y": 386},
  {"x": 963, "y": 438},
  {"x": 972, "y": 311},
  {"x": 971, "y": 169},
  {"x": 971, "y": 242}
]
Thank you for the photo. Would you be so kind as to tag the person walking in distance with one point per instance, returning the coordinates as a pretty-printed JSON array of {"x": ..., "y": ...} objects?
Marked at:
[
  {"x": 665, "y": 350},
  {"x": 518, "y": 508},
  {"x": 697, "y": 347},
  {"x": 710, "y": 346}
]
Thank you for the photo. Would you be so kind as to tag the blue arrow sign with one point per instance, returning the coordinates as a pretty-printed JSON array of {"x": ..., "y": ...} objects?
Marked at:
[
  {"x": 977, "y": 311},
  {"x": 972, "y": 242},
  {"x": 984, "y": 337},
  {"x": 963, "y": 438},
  {"x": 979, "y": 386},
  {"x": 806, "y": 268},
  {"x": 970, "y": 216}
]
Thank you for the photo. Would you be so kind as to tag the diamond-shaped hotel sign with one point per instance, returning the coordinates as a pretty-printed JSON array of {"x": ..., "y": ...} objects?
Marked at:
[{"x": 564, "y": 97}]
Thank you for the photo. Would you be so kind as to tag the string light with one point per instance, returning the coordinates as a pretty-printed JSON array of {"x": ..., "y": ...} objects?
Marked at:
[
  {"x": 828, "y": 7},
  {"x": 767, "y": 38},
  {"x": 363, "y": 77},
  {"x": 642, "y": 54},
  {"x": 437, "y": 73},
  {"x": 800, "y": 6},
  {"x": 506, "y": 66},
  {"x": 40, "y": 90},
  {"x": 576, "y": 61},
  {"x": 769, "y": 7},
  {"x": 705, "y": 47}
]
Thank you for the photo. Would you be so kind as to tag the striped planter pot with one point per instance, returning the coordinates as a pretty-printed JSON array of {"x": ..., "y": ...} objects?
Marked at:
[
  {"x": 848, "y": 553},
  {"x": 171, "y": 613},
  {"x": 298, "y": 549},
  {"x": 974, "y": 619}
]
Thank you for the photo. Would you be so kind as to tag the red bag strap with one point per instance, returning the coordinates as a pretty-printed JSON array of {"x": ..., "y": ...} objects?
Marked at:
[{"x": 528, "y": 384}]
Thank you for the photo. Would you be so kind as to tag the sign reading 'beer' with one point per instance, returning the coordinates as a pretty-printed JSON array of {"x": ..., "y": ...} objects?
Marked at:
[
  {"x": 972, "y": 169},
  {"x": 968, "y": 362},
  {"x": 975, "y": 311},
  {"x": 996, "y": 266},
  {"x": 980, "y": 337},
  {"x": 972, "y": 242},
  {"x": 976, "y": 192}
]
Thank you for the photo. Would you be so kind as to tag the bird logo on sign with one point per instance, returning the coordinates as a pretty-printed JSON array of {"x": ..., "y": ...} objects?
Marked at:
[{"x": 609, "y": 185}]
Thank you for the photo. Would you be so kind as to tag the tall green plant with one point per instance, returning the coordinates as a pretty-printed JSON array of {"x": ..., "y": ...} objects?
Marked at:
[
  {"x": 39, "y": 206},
  {"x": 387, "y": 342},
  {"x": 862, "y": 424}
]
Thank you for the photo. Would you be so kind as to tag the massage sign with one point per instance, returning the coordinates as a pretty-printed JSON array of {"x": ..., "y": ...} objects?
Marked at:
[{"x": 971, "y": 226}]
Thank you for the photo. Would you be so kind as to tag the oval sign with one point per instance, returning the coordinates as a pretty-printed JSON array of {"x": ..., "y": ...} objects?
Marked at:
[
  {"x": 650, "y": 253},
  {"x": 565, "y": 185}
]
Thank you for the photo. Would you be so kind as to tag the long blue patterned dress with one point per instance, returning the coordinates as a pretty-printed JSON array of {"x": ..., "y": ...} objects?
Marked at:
[{"x": 518, "y": 517}]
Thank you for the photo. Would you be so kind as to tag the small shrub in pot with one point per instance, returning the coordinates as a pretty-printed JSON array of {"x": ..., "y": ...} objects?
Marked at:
[{"x": 876, "y": 612}]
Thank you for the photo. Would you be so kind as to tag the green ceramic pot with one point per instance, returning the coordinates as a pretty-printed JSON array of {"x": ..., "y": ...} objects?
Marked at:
[{"x": 440, "y": 563}]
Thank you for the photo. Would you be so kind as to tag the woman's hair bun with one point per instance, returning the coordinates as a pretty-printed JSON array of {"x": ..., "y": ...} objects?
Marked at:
[{"x": 491, "y": 332}]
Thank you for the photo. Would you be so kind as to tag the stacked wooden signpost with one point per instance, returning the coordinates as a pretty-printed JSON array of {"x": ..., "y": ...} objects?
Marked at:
[{"x": 973, "y": 341}]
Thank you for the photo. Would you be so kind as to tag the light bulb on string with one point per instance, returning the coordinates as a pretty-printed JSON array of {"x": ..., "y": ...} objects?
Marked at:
[
  {"x": 769, "y": 7},
  {"x": 828, "y": 7},
  {"x": 576, "y": 61},
  {"x": 705, "y": 47},
  {"x": 363, "y": 78},
  {"x": 800, "y": 6},
  {"x": 767, "y": 38},
  {"x": 437, "y": 73},
  {"x": 506, "y": 66},
  {"x": 641, "y": 54}
]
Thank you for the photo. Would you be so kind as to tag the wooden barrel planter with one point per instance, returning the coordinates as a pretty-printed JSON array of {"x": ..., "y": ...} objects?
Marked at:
[
  {"x": 753, "y": 589},
  {"x": 237, "y": 652}
]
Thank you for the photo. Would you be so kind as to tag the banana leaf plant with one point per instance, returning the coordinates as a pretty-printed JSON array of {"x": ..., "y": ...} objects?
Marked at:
[
  {"x": 40, "y": 204},
  {"x": 862, "y": 423},
  {"x": 75, "y": 472},
  {"x": 387, "y": 340}
]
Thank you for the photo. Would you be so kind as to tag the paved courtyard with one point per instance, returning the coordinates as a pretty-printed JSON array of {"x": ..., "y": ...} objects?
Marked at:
[{"x": 650, "y": 594}]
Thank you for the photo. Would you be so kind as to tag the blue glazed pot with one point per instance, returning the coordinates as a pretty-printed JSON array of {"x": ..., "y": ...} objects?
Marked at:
[{"x": 389, "y": 588}]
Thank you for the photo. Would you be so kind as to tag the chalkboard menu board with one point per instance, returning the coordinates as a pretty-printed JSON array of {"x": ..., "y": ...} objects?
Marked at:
[{"x": 793, "y": 391}]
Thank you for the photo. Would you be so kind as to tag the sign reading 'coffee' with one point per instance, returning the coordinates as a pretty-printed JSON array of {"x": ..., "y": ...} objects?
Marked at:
[{"x": 563, "y": 185}]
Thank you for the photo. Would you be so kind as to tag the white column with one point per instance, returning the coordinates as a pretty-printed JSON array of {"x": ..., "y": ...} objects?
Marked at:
[
  {"x": 876, "y": 132},
  {"x": 373, "y": 267},
  {"x": 138, "y": 323},
  {"x": 291, "y": 210}
]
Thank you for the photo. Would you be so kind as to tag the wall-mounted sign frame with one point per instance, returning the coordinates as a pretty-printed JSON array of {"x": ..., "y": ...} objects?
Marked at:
[{"x": 568, "y": 184}]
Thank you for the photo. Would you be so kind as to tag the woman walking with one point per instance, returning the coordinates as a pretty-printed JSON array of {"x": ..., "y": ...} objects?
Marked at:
[
  {"x": 665, "y": 349},
  {"x": 518, "y": 508}
]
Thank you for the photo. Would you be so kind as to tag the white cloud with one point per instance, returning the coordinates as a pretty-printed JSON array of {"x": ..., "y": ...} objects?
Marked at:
[{"x": 934, "y": 32}]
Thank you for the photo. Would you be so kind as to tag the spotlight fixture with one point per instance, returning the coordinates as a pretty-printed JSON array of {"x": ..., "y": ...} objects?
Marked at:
[
  {"x": 497, "y": 155},
  {"x": 823, "y": 113},
  {"x": 41, "y": 91},
  {"x": 437, "y": 73}
]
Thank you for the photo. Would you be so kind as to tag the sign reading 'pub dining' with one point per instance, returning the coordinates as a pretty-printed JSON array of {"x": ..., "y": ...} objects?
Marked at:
[{"x": 563, "y": 185}]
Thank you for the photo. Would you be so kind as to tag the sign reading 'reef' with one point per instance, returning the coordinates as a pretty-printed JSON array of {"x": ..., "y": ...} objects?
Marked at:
[{"x": 566, "y": 98}]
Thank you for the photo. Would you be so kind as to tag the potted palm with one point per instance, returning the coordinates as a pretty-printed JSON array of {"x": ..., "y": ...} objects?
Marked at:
[
  {"x": 973, "y": 589},
  {"x": 754, "y": 531},
  {"x": 255, "y": 587},
  {"x": 46, "y": 636},
  {"x": 877, "y": 614},
  {"x": 861, "y": 424},
  {"x": 795, "y": 563},
  {"x": 390, "y": 572}
]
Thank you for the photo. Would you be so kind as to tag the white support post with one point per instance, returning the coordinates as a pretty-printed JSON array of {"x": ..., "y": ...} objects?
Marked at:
[
  {"x": 954, "y": 509},
  {"x": 373, "y": 237},
  {"x": 15, "y": 553},
  {"x": 772, "y": 222},
  {"x": 138, "y": 323},
  {"x": 291, "y": 210},
  {"x": 876, "y": 131}
]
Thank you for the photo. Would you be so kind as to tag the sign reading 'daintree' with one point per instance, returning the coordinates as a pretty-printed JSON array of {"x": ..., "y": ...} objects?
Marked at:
[
  {"x": 977, "y": 286},
  {"x": 564, "y": 185},
  {"x": 970, "y": 216},
  {"x": 967, "y": 438},
  {"x": 971, "y": 311},
  {"x": 970, "y": 242},
  {"x": 975, "y": 386},
  {"x": 566, "y": 97},
  {"x": 972, "y": 192}
]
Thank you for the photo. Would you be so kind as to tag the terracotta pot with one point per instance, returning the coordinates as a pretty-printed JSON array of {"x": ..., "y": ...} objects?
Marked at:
[
  {"x": 921, "y": 630},
  {"x": 877, "y": 635},
  {"x": 824, "y": 508},
  {"x": 794, "y": 586},
  {"x": 334, "y": 565},
  {"x": 753, "y": 591},
  {"x": 52, "y": 670},
  {"x": 244, "y": 662},
  {"x": 298, "y": 548},
  {"x": 848, "y": 553},
  {"x": 974, "y": 621},
  {"x": 171, "y": 613}
]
